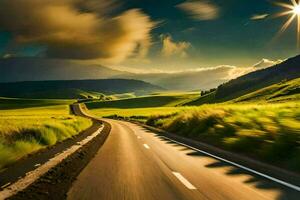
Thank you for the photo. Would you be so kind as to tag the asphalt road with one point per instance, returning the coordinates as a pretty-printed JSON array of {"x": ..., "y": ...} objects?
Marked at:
[{"x": 135, "y": 164}]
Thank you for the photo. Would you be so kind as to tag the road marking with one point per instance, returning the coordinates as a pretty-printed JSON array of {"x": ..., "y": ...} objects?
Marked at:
[
  {"x": 35, "y": 174},
  {"x": 139, "y": 137},
  {"x": 4, "y": 186},
  {"x": 295, "y": 187},
  {"x": 146, "y": 146},
  {"x": 184, "y": 181}
]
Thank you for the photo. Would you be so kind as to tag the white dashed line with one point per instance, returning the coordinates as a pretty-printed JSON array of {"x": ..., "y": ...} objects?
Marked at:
[
  {"x": 4, "y": 186},
  {"x": 295, "y": 187},
  {"x": 139, "y": 137},
  {"x": 184, "y": 181},
  {"x": 146, "y": 146}
]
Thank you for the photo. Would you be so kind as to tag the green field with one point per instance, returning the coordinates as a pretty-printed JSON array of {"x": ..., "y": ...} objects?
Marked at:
[
  {"x": 14, "y": 103},
  {"x": 284, "y": 91},
  {"x": 155, "y": 100},
  {"x": 26, "y": 130}
]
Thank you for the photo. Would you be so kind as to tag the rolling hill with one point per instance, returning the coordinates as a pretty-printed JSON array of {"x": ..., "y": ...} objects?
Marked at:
[
  {"x": 287, "y": 70},
  {"x": 40, "y": 69},
  {"x": 154, "y": 100},
  {"x": 14, "y": 103},
  {"x": 75, "y": 88},
  {"x": 278, "y": 92},
  {"x": 283, "y": 91}
]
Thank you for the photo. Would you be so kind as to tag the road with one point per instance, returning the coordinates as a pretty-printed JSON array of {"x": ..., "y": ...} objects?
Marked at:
[{"x": 136, "y": 164}]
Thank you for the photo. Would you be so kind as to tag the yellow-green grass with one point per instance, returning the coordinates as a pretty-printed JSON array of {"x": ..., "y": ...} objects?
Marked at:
[
  {"x": 122, "y": 96},
  {"x": 156, "y": 100},
  {"x": 142, "y": 113},
  {"x": 284, "y": 91},
  {"x": 266, "y": 131},
  {"x": 24, "y": 131},
  {"x": 270, "y": 132},
  {"x": 18, "y": 103}
]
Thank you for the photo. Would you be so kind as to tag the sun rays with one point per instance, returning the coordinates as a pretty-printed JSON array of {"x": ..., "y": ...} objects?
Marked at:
[{"x": 292, "y": 10}]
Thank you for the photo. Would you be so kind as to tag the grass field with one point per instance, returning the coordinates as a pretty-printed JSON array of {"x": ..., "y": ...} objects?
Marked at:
[
  {"x": 26, "y": 130},
  {"x": 270, "y": 132},
  {"x": 284, "y": 91},
  {"x": 142, "y": 113},
  {"x": 14, "y": 103},
  {"x": 155, "y": 100}
]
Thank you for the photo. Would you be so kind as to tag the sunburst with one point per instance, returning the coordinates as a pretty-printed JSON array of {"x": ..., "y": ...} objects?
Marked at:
[{"x": 293, "y": 10}]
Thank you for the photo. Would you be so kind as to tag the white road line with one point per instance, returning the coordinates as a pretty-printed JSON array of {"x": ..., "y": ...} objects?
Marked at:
[
  {"x": 184, "y": 181},
  {"x": 146, "y": 146},
  {"x": 295, "y": 187},
  {"x": 139, "y": 137},
  {"x": 35, "y": 174},
  {"x": 5, "y": 185}
]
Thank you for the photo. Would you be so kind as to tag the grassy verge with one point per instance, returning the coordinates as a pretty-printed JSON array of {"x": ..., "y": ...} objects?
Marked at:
[
  {"x": 24, "y": 131},
  {"x": 269, "y": 132}
]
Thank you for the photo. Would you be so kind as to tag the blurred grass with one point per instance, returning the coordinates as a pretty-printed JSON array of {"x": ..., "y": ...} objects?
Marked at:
[
  {"x": 270, "y": 132},
  {"x": 24, "y": 131},
  {"x": 266, "y": 131}
]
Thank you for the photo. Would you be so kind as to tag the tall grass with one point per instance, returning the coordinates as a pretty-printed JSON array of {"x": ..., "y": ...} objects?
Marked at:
[
  {"x": 25, "y": 131},
  {"x": 269, "y": 132}
]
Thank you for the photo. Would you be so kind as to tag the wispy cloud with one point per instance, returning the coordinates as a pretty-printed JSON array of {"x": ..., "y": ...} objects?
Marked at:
[
  {"x": 170, "y": 48},
  {"x": 78, "y": 29},
  {"x": 259, "y": 16},
  {"x": 265, "y": 63},
  {"x": 200, "y": 9}
]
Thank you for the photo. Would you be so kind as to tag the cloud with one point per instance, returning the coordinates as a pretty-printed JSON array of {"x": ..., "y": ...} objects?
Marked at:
[
  {"x": 259, "y": 16},
  {"x": 265, "y": 63},
  {"x": 8, "y": 55},
  {"x": 170, "y": 48},
  {"x": 200, "y": 9},
  {"x": 77, "y": 29}
]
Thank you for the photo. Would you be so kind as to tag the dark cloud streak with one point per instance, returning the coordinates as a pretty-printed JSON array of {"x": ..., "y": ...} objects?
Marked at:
[{"x": 78, "y": 29}]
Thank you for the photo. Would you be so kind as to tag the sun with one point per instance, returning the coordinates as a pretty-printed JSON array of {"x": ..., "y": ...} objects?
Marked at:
[
  {"x": 293, "y": 10},
  {"x": 296, "y": 10}
]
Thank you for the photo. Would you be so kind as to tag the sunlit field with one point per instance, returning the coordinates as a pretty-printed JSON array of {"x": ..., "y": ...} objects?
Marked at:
[
  {"x": 139, "y": 112},
  {"x": 24, "y": 131},
  {"x": 270, "y": 132},
  {"x": 167, "y": 99}
]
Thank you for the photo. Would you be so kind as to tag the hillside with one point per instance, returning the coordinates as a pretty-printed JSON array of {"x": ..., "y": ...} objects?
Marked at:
[
  {"x": 40, "y": 69},
  {"x": 155, "y": 100},
  {"x": 205, "y": 99},
  {"x": 283, "y": 91},
  {"x": 287, "y": 70},
  {"x": 75, "y": 88},
  {"x": 182, "y": 81},
  {"x": 13, "y": 103}
]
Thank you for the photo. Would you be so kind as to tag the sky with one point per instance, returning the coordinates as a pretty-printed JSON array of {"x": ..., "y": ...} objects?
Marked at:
[{"x": 148, "y": 35}]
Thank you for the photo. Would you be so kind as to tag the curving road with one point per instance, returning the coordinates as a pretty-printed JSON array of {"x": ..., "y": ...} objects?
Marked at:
[{"x": 135, "y": 164}]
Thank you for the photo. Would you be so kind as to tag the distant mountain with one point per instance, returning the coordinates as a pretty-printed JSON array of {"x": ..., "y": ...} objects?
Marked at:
[
  {"x": 185, "y": 81},
  {"x": 75, "y": 88},
  {"x": 287, "y": 70},
  {"x": 39, "y": 69}
]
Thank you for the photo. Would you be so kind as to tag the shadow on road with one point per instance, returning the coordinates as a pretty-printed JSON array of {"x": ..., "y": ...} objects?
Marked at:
[{"x": 252, "y": 179}]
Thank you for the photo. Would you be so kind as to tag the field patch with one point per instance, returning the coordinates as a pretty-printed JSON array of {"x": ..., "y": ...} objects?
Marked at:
[
  {"x": 24, "y": 131},
  {"x": 155, "y": 100}
]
